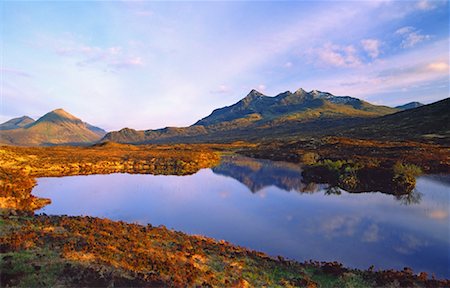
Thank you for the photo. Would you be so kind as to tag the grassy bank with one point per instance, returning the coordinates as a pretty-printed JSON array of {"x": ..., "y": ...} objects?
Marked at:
[
  {"x": 84, "y": 251},
  {"x": 20, "y": 165},
  {"x": 107, "y": 158}
]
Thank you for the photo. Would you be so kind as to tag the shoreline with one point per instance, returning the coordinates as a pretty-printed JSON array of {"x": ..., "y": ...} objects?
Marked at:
[
  {"x": 59, "y": 237},
  {"x": 140, "y": 255}
]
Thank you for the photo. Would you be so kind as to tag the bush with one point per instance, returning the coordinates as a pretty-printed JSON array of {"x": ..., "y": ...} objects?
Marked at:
[
  {"x": 406, "y": 170},
  {"x": 404, "y": 178},
  {"x": 331, "y": 165}
]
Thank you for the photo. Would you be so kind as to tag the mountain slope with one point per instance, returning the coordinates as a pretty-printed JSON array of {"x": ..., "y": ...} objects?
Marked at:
[
  {"x": 55, "y": 127},
  {"x": 410, "y": 105},
  {"x": 428, "y": 122},
  {"x": 16, "y": 123},
  {"x": 258, "y": 115},
  {"x": 287, "y": 106}
]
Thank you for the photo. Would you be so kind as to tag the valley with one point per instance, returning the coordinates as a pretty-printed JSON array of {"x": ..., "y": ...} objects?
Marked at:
[
  {"x": 329, "y": 146},
  {"x": 225, "y": 144}
]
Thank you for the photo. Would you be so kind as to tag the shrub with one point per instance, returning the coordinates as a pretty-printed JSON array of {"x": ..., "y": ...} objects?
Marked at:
[
  {"x": 332, "y": 165},
  {"x": 406, "y": 170},
  {"x": 404, "y": 179}
]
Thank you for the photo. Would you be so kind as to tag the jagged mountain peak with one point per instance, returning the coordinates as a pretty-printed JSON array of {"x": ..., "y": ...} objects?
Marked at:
[
  {"x": 287, "y": 105},
  {"x": 300, "y": 91},
  {"x": 254, "y": 94},
  {"x": 320, "y": 94}
]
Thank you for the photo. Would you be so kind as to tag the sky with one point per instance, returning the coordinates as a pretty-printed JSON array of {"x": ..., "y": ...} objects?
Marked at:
[{"x": 148, "y": 65}]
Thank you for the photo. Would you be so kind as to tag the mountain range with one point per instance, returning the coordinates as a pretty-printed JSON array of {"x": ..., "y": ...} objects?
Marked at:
[
  {"x": 255, "y": 117},
  {"x": 258, "y": 115},
  {"x": 54, "y": 128}
]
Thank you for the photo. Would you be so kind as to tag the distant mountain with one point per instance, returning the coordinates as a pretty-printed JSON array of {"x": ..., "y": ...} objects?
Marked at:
[
  {"x": 131, "y": 136},
  {"x": 16, "y": 123},
  {"x": 410, "y": 105},
  {"x": 428, "y": 122},
  {"x": 54, "y": 128},
  {"x": 258, "y": 115}
]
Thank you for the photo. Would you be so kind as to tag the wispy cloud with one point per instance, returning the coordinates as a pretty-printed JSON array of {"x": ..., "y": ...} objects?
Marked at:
[
  {"x": 411, "y": 36},
  {"x": 221, "y": 89},
  {"x": 336, "y": 55},
  {"x": 425, "y": 5},
  {"x": 340, "y": 226},
  {"x": 209, "y": 54},
  {"x": 112, "y": 58},
  {"x": 10, "y": 71},
  {"x": 409, "y": 244},
  {"x": 441, "y": 66},
  {"x": 402, "y": 9},
  {"x": 372, "y": 234},
  {"x": 393, "y": 78},
  {"x": 261, "y": 87},
  {"x": 372, "y": 47},
  {"x": 414, "y": 70}
]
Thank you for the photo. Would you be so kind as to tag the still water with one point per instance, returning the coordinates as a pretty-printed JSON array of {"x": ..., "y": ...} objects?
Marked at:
[{"x": 264, "y": 205}]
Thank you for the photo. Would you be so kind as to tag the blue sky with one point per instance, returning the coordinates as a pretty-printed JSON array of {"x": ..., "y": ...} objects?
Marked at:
[{"x": 148, "y": 65}]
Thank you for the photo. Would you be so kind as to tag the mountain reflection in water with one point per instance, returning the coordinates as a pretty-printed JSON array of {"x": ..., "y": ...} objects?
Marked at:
[
  {"x": 257, "y": 174},
  {"x": 245, "y": 201}
]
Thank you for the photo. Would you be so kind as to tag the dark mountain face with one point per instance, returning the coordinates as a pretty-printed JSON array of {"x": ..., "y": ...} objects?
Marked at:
[
  {"x": 410, "y": 105},
  {"x": 55, "y": 127},
  {"x": 16, "y": 123},
  {"x": 426, "y": 123}
]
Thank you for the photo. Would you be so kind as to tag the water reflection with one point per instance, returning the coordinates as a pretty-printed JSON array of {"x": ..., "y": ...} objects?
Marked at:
[
  {"x": 246, "y": 202},
  {"x": 258, "y": 174}
]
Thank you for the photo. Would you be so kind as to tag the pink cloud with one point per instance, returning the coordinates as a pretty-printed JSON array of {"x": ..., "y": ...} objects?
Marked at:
[
  {"x": 372, "y": 47},
  {"x": 336, "y": 55}
]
